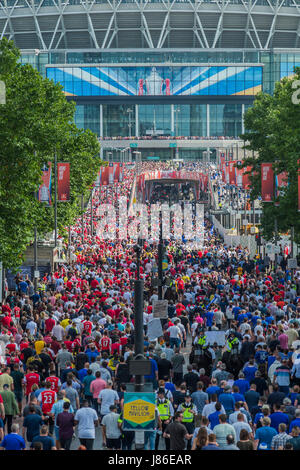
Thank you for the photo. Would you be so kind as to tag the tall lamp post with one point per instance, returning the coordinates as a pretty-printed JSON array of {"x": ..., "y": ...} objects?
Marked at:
[{"x": 160, "y": 259}]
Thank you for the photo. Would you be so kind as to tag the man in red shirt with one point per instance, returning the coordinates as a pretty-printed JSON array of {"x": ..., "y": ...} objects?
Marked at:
[
  {"x": 49, "y": 324},
  {"x": 55, "y": 381},
  {"x": 47, "y": 398},
  {"x": 87, "y": 326},
  {"x": 105, "y": 342},
  {"x": 31, "y": 378}
]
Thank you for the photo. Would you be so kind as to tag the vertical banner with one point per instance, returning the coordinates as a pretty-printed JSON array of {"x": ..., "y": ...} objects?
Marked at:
[
  {"x": 281, "y": 181},
  {"x": 246, "y": 179},
  {"x": 239, "y": 171},
  {"x": 227, "y": 172},
  {"x": 44, "y": 192},
  {"x": 63, "y": 181},
  {"x": 267, "y": 182},
  {"x": 117, "y": 172},
  {"x": 104, "y": 175},
  {"x": 121, "y": 171},
  {"x": 111, "y": 172},
  {"x": 232, "y": 172}
]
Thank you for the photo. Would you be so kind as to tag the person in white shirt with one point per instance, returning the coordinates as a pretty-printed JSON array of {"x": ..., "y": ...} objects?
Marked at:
[
  {"x": 211, "y": 408},
  {"x": 175, "y": 335}
]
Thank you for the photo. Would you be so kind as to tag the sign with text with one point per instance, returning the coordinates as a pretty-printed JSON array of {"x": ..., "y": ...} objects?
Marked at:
[
  {"x": 63, "y": 181},
  {"x": 267, "y": 182},
  {"x": 44, "y": 192},
  {"x": 160, "y": 309},
  {"x": 139, "y": 411}
]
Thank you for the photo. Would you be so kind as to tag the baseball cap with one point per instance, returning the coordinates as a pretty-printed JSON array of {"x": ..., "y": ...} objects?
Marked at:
[{"x": 263, "y": 446}]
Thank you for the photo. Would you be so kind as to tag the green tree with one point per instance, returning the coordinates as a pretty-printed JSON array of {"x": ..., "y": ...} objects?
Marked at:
[
  {"x": 273, "y": 124},
  {"x": 36, "y": 121}
]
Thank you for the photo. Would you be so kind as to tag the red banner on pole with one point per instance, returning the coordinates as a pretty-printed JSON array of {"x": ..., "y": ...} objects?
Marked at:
[
  {"x": 267, "y": 182},
  {"x": 232, "y": 179},
  {"x": 44, "y": 192},
  {"x": 246, "y": 179},
  {"x": 63, "y": 181}
]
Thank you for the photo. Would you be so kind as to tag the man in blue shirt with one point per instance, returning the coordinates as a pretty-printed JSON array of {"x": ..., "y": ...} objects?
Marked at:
[
  {"x": 47, "y": 441},
  {"x": 213, "y": 388},
  {"x": 296, "y": 421},
  {"x": 249, "y": 370},
  {"x": 32, "y": 423},
  {"x": 13, "y": 441},
  {"x": 265, "y": 434},
  {"x": 278, "y": 417},
  {"x": 153, "y": 377},
  {"x": 242, "y": 384},
  {"x": 227, "y": 400}
]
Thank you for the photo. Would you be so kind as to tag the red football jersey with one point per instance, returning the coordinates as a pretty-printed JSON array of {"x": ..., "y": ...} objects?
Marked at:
[
  {"x": 87, "y": 326},
  {"x": 105, "y": 343},
  {"x": 55, "y": 382},
  {"x": 48, "y": 398},
  {"x": 30, "y": 379}
]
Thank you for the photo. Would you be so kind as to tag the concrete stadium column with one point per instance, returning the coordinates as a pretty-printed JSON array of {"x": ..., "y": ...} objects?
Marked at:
[
  {"x": 243, "y": 111},
  {"x": 137, "y": 120},
  {"x": 172, "y": 120},
  {"x": 207, "y": 121},
  {"x": 101, "y": 120}
]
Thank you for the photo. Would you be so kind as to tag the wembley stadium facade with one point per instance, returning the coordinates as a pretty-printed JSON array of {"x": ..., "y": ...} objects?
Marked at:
[{"x": 166, "y": 79}]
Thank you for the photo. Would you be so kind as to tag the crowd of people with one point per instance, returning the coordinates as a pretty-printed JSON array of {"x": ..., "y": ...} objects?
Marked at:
[{"x": 225, "y": 370}]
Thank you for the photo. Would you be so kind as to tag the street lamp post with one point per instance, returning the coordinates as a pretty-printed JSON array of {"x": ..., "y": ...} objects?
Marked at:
[
  {"x": 92, "y": 228},
  {"x": 160, "y": 259}
]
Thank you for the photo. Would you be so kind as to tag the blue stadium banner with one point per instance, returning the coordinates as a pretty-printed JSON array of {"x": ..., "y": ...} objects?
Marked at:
[{"x": 157, "y": 81}]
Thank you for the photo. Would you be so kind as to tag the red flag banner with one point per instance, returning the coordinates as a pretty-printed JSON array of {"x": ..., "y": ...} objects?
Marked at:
[
  {"x": 246, "y": 179},
  {"x": 267, "y": 182},
  {"x": 63, "y": 181},
  {"x": 104, "y": 175},
  {"x": 44, "y": 192},
  {"x": 232, "y": 172}
]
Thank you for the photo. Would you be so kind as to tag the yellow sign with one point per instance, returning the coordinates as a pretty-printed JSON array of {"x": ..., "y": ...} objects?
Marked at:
[{"x": 139, "y": 413}]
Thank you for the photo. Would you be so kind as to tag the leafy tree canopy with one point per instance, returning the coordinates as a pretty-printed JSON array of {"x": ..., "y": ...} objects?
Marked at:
[
  {"x": 37, "y": 121},
  {"x": 273, "y": 124}
]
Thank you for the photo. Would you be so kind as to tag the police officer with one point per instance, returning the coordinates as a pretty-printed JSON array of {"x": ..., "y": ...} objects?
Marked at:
[
  {"x": 201, "y": 340},
  {"x": 232, "y": 343},
  {"x": 189, "y": 411},
  {"x": 166, "y": 412}
]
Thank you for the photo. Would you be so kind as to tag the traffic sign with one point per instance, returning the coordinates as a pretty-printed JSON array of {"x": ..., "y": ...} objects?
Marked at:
[
  {"x": 160, "y": 309},
  {"x": 139, "y": 411}
]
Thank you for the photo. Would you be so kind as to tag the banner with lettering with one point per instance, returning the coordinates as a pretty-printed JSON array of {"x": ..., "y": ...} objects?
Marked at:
[
  {"x": 44, "y": 192},
  {"x": 63, "y": 181},
  {"x": 239, "y": 171},
  {"x": 232, "y": 169},
  {"x": 267, "y": 182},
  {"x": 227, "y": 172},
  {"x": 246, "y": 179}
]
